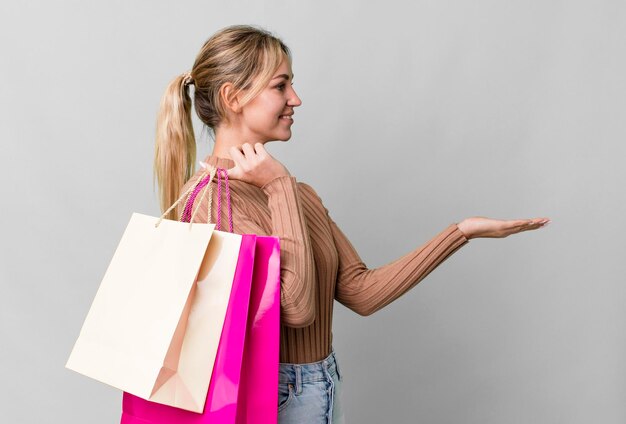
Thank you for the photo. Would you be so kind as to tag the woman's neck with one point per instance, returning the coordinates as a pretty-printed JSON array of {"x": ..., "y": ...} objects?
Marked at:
[{"x": 228, "y": 137}]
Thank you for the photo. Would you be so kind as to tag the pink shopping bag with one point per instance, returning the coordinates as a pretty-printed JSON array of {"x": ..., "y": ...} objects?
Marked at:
[{"x": 258, "y": 387}]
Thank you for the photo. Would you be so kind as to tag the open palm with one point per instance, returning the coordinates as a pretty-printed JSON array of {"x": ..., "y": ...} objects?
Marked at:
[{"x": 482, "y": 227}]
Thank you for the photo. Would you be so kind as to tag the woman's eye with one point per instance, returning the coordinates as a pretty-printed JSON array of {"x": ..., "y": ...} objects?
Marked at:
[{"x": 281, "y": 86}]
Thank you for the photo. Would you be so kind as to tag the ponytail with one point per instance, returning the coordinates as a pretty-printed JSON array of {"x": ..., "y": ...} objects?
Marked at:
[{"x": 175, "y": 149}]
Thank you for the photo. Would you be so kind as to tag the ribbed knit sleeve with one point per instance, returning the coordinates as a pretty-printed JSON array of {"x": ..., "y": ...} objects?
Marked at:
[
  {"x": 365, "y": 291},
  {"x": 298, "y": 282}
]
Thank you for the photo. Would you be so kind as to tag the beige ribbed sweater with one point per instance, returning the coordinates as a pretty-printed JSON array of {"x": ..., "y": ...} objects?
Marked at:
[{"x": 318, "y": 263}]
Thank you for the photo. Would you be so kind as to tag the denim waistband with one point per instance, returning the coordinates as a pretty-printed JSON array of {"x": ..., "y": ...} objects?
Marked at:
[{"x": 297, "y": 374}]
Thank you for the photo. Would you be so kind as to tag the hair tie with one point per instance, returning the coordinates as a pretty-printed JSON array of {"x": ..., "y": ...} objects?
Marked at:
[{"x": 187, "y": 78}]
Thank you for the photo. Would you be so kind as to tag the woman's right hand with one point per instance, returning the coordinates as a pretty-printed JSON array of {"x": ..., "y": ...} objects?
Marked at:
[{"x": 254, "y": 165}]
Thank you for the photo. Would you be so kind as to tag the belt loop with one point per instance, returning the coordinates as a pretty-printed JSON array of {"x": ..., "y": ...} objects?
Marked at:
[{"x": 298, "y": 370}]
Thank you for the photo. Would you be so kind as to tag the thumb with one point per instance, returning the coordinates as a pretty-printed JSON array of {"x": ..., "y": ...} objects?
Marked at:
[{"x": 234, "y": 173}]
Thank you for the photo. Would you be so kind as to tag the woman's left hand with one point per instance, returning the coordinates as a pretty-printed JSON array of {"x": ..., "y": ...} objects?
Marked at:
[{"x": 480, "y": 226}]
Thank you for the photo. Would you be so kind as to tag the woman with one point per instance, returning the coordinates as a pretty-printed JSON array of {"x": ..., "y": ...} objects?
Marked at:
[{"x": 243, "y": 92}]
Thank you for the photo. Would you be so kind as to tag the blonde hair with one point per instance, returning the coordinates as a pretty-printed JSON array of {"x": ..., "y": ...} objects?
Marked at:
[{"x": 244, "y": 55}]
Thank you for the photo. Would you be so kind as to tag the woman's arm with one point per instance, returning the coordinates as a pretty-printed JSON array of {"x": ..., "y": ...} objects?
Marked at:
[
  {"x": 298, "y": 279},
  {"x": 365, "y": 291},
  {"x": 298, "y": 296},
  {"x": 254, "y": 165}
]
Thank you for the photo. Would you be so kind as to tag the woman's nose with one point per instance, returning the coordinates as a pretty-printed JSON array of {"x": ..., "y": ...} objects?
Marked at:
[{"x": 294, "y": 100}]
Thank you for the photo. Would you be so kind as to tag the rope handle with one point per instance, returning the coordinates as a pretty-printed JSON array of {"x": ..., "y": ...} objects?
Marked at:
[
  {"x": 204, "y": 180},
  {"x": 206, "y": 172},
  {"x": 186, "y": 214},
  {"x": 221, "y": 171},
  {"x": 201, "y": 185}
]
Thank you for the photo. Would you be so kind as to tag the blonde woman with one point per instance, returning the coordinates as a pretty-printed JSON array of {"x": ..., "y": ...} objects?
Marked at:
[{"x": 243, "y": 91}]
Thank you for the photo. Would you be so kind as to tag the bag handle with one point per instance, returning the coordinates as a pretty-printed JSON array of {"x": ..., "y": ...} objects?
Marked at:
[
  {"x": 203, "y": 181},
  {"x": 219, "y": 200},
  {"x": 188, "y": 216},
  {"x": 210, "y": 171}
]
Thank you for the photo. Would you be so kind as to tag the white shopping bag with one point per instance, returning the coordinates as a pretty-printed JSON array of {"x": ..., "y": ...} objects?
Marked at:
[{"x": 155, "y": 323}]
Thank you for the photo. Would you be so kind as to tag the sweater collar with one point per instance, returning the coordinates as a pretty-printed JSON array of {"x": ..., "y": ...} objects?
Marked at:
[{"x": 219, "y": 162}]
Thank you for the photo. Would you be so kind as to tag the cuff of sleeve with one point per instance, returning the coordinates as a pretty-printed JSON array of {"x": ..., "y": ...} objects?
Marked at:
[
  {"x": 458, "y": 234},
  {"x": 279, "y": 184}
]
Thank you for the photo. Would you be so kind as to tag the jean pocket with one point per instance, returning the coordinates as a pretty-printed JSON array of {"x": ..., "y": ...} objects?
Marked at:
[
  {"x": 338, "y": 371},
  {"x": 285, "y": 395},
  {"x": 340, "y": 376}
]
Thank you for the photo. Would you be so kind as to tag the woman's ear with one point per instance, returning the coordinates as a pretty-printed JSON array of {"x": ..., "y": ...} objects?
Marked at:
[{"x": 230, "y": 97}]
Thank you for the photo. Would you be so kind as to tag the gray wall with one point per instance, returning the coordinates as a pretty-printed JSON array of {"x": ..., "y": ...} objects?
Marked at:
[{"x": 415, "y": 115}]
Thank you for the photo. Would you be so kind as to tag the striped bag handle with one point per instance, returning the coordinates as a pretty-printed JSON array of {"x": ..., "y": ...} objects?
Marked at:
[
  {"x": 207, "y": 171},
  {"x": 203, "y": 183}
]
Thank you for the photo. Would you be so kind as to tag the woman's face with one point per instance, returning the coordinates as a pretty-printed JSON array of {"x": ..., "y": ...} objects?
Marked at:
[{"x": 269, "y": 115}]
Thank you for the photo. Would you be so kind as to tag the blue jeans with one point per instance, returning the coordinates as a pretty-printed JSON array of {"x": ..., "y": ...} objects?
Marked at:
[{"x": 310, "y": 393}]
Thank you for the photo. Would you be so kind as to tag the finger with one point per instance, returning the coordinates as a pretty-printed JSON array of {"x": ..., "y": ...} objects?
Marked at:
[
  {"x": 260, "y": 150},
  {"x": 238, "y": 148},
  {"x": 248, "y": 151},
  {"x": 234, "y": 173},
  {"x": 516, "y": 226},
  {"x": 519, "y": 224},
  {"x": 237, "y": 157},
  {"x": 235, "y": 153},
  {"x": 541, "y": 222},
  {"x": 532, "y": 224}
]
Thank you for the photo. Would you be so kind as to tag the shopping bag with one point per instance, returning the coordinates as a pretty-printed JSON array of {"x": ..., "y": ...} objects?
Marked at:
[
  {"x": 221, "y": 401},
  {"x": 154, "y": 326},
  {"x": 257, "y": 395},
  {"x": 258, "y": 386},
  {"x": 252, "y": 313},
  {"x": 242, "y": 392}
]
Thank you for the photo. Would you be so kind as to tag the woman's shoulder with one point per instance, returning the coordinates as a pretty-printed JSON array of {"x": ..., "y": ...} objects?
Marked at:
[
  {"x": 248, "y": 194},
  {"x": 306, "y": 189},
  {"x": 308, "y": 193},
  {"x": 238, "y": 190}
]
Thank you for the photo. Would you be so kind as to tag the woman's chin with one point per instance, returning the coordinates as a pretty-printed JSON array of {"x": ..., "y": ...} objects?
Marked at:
[{"x": 285, "y": 137}]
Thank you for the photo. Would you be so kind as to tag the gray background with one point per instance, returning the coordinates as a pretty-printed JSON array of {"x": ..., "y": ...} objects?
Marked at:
[{"x": 415, "y": 115}]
